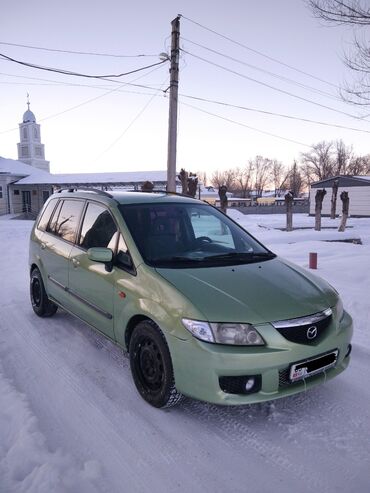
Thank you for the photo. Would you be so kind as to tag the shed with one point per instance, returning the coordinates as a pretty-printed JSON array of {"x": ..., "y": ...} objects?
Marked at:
[{"x": 358, "y": 188}]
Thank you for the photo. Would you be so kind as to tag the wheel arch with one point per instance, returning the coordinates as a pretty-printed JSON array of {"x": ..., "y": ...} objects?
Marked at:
[{"x": 132, "y": 323}]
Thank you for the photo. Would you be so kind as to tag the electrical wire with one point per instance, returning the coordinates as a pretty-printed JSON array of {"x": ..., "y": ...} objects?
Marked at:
[
  {"x": 75, "y": 52},
  {"x": 115, "y": 89},
  {"x": 269, "y": 85},
  {"x": 272, "y": 74},
  {"x": 129, "y": 125},
  {"x": 265, "y": 112},
  {"x": 77, "y": 74},
  {"x": 260, "y": 53},
  {"x": 246, "y": 126},
  {"x": 75, "y": 84}
]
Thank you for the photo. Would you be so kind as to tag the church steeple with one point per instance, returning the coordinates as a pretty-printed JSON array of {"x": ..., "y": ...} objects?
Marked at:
[{"x": 30, "y": 149}]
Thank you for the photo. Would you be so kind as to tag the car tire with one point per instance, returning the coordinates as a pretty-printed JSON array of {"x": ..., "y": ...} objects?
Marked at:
[
  {"x": 151, "y": 366},
  {"x": 41, "y": 304}
]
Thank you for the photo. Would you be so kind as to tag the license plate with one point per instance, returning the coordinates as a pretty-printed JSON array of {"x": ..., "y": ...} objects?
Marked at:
[{"x": 310, "y": 367}]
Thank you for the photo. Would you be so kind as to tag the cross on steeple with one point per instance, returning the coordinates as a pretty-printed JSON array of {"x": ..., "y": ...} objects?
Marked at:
[{"x": 28, "y": 101}]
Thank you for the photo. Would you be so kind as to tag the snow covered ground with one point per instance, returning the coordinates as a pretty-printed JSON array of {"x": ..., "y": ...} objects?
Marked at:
[{"x": 72, "y": 421}]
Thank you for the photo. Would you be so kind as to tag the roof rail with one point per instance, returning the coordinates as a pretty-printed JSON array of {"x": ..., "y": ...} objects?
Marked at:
[{"x": 86, "y": 189}]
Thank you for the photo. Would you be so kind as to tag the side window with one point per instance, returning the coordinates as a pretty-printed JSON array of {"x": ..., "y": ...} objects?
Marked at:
[
  {"x": 65, "y": 223},
  {"x": 98, "y": 228},
  {"x": 45, "y": 216},
  {"x": 206, "y": 225}
]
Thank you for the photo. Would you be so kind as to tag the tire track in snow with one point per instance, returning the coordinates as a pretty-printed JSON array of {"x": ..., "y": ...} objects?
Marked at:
[{"x": 116, "y": 414}]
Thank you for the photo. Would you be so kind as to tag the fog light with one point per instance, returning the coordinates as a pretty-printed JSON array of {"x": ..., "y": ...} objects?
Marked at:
[
  {"x": 249, "y": 384},
  {"x": 244, "y": 384},
  {"x": 349, "y": 349}
]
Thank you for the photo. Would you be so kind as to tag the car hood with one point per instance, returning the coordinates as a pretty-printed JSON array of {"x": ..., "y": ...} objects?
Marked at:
[{"x": 254, "y": 293}]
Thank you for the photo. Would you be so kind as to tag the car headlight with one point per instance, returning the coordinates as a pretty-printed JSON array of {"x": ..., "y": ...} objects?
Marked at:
[
  {"x": 339, "y": 311},
  {"x": 224, "y": 333}
]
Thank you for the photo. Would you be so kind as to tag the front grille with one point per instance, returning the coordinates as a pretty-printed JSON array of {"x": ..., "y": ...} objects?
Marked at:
[
  {"x": 309, "y": 333},
  {"x": 284, "y": 378}
]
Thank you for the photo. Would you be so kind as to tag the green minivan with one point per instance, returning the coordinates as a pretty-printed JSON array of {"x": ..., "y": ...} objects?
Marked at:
[{"x": 203, "y": 308}]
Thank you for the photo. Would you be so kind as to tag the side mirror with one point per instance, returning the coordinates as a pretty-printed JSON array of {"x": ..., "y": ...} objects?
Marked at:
[{"x": 97, "y": 254}]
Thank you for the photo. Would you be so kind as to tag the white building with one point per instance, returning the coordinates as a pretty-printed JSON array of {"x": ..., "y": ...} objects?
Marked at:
[
  {"x": 358, "y": 188},
  {"x": 26, "y": 183}
]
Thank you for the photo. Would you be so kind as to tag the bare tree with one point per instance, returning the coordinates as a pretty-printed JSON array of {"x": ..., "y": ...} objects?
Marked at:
[
  {"x": 183, "y": 177},
  {"x": 277, "y": 170},
  {"x": 192, "y": 184},
  {"x": 226, "y": 178},
  {"x": 295, "y": 180},
  {"x": 342, "y": 158},
  {"x": 334, "y": 194},
  {"x": 202, "y": 177},
  {"x": 355, "y": 13},
  {"x": 262, "y": 173},
  {"x": 359, "y": 165},
  {"x": 222, "y": 192},
  {"x": 243, "y": 180},
  {"x": 319, "y": 197},
  {"x": 318, "y": 162},
  {"x": 345, "y": 209}
]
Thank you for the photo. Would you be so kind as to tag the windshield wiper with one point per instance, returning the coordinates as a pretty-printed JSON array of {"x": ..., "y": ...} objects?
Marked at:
[
  {"x": 242, "y": 256},
  {"x": 176, "y": 259}
]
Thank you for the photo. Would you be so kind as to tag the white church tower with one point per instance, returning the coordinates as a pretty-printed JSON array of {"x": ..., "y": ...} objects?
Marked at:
[{"x": 30, "y": 149}]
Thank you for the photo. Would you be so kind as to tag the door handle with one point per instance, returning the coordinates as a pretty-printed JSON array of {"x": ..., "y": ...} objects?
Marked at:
[
  {"x": 43, "y": 246},
  {"x": 75, "y": 262}
]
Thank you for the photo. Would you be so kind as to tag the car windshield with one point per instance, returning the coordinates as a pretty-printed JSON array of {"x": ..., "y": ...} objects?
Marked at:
[{"x": 181, "y": 235}]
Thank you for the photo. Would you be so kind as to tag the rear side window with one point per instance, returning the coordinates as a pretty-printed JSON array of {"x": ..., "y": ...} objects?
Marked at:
[
  {"x": 46, "y": 214},
  {"x": 66, "y": 219},
  {"x": 98, "y": 228}
]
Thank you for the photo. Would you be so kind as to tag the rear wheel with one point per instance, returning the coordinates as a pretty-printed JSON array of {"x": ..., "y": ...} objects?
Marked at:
[
  {"x": 41, "y": 304},
  {"x": 151, "y": 366}
]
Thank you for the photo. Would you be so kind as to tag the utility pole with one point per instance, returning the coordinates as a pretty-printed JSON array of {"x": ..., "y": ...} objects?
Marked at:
[{"x": 172, "y": 119}]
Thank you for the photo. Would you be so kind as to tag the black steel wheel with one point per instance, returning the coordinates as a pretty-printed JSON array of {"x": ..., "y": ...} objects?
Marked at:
[
  {"x": 151, "y": 365},
  {"x": 41, "y": 304}
]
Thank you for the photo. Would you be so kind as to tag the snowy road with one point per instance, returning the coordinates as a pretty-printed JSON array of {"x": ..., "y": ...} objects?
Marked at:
[{"x": 72, "y": 421}]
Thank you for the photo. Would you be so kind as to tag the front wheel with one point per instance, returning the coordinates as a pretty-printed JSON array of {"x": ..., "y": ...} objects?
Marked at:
[
  {"x": 41, "y": 304},
  {"x": 151, "y": 366}
]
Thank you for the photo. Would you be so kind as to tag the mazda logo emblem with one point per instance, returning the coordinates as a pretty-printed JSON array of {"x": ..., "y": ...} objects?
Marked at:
[{"x": 311, "y": 332}]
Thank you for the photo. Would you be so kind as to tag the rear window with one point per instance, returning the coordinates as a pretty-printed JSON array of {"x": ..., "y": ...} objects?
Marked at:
[{"x": 46, "y": 215}]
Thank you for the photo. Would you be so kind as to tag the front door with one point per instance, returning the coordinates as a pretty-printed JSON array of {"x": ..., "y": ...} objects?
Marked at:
[{"x": 26, "y": 201}]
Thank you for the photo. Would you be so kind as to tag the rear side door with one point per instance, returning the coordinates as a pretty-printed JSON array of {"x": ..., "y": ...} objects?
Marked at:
[
  {"x": 56, "y": 246},
  {"x": 91, "y": 283}
]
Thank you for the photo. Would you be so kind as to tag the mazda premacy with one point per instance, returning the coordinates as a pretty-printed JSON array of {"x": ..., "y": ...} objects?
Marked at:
[{"x": 202, "y": 307}]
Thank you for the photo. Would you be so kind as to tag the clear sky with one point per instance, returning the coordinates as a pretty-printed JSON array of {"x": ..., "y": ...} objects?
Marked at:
[{"x": 118, "y": 127}]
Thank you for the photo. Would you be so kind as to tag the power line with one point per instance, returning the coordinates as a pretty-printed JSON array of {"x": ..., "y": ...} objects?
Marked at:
[
  {"x": 76, "y": 84},
  {"x": 246, "y": 126},
  {"x": 260, "y": 53},
  {"x": 272, "y": 74},
  {"x": 77, "y": 74},
  {"x": 282, "y": 115},
  {"x": 117, "y": 89},
  {"x": 75, "y": 52},
  {"x": 129, "y": 125},
  {"x": 269, "y": 85}
]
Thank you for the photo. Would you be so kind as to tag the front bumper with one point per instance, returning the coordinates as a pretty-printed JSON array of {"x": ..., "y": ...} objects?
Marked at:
[{"x": 198, "y": 365}]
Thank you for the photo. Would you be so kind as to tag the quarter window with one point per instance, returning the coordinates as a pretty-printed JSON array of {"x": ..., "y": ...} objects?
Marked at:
[
  {"x": 66, "y": 219},
  {"x": 45, "y": 217},
  {"x": 98, "y": 228}
]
